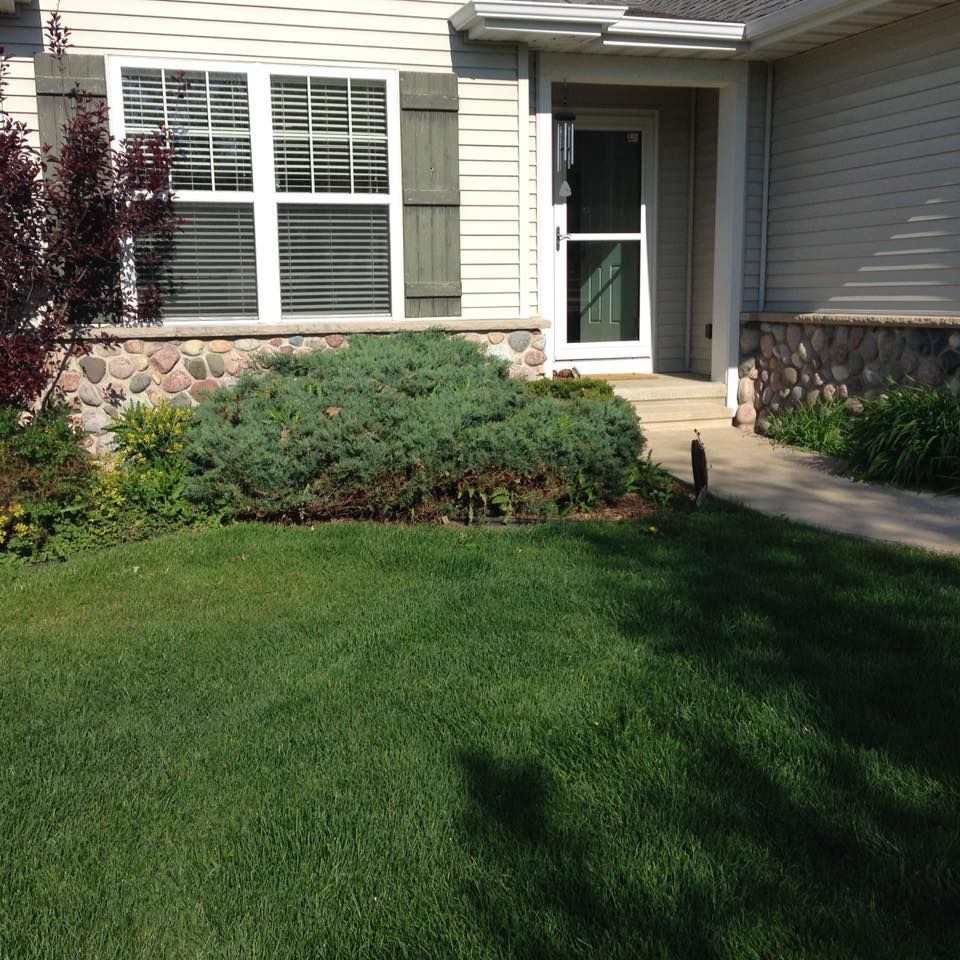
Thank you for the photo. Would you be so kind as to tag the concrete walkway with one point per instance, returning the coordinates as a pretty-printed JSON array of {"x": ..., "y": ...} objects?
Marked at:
[{"x": 780, "y": 481}]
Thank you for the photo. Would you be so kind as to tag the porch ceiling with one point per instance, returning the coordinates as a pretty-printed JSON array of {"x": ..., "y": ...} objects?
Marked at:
[{"x": 765, "y": 30}]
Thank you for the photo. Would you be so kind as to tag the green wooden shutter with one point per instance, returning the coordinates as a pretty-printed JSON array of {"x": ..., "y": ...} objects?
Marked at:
[
  {"x": 57, "y": 87},
  {"x": 429, "y": 134}
]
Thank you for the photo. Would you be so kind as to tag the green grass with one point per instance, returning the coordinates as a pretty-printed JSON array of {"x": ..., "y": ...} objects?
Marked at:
[{"x": 730, "y": 738}]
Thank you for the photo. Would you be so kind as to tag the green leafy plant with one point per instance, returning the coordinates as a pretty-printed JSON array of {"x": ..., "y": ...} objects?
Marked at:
[
  {"x": 821, "y": 427},
  {"x": 909, "y": 436},
  {"x": 151, "y": 435},
  {"x": 45, "y": 477},
  {"x": 650, "y": 481},
  {"x": 407, "y": 426}
]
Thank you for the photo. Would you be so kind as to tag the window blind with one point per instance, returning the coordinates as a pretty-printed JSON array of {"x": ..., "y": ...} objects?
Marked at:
[
  {"x": 334, "y": 260},
  {"x": 211, "y": 271},
  {"x": 329, "y": 135},
  {"x": 209, "y": 115}
]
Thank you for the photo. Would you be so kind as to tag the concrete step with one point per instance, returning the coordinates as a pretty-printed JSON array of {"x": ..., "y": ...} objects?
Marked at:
[
  {"x": 691, "y": 411},
  {"x": 673, "y": 388}
]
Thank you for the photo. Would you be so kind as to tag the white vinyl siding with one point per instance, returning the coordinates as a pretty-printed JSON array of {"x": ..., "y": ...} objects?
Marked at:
[
  {"x": 756, "y": 146},
  {"x": 865, "y": 193},
  {"x": 384, "y": 34},
  {"x": 704, "y": 226},
  {"x": 21, "y": 38}
]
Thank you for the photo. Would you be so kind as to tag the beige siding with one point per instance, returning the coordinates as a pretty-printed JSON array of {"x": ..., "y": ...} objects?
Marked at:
[
  {"x": 673, "y": 159},
  {"x": 21, "y": 37},
  {"x": 756, "y": 145},
  {"x": 865, "y": 174},
  {"x": 404, "y": 34},
  {"x": 704, "y": 217}
]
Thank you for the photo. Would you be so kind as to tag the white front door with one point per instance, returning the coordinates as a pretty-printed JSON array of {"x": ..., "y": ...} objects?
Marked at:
[{"x": 603, "y": 217}]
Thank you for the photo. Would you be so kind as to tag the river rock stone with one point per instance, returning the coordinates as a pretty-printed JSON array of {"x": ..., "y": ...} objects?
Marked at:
[
  {"x": 90, "y": 395},
  {"x": 767, "y": 345},
  {"x": 220, "y": 346},
  {"x": 749, "y": 339},
  {"x": 203, "y": 387},
  {"x": 94, "y": 368},
  {"x": 789, "y": 376},
  {"x": 873, "y": 374},
  {"x": 794, "y": 336},
  {"x": 929, "y": 372},
  {"x": 165, "y": 359},
  {"x": 746, "y": 415},
  {"x": 335, "y": 340},
  {"x": 69, "y": 381},
  {"x": 133, "y": 346},
  {"x": 818, "y": 340},
  {"x": 868, "y": 348},
  {"x": 121, "y": 368},
  {"x": 519, "y": 340},
  {"x": 839, "y": 372},
  {"x": 215, "y": 364},
  {"x": 495, "y": 337},
  {"x": 176, "y": 381},
  {"x": 196, "y": 368},
  {"x": 181, "y": 401},
  {"x": 829, "y": 392},
  {"x": 534, "y": 358},
  {"x": 139, "y": 382},
  {"x": 249, "y": 345}
]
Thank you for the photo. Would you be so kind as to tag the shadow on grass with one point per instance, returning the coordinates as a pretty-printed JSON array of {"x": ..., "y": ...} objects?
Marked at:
[
  {"x": 548, "y": 906},
  {"x": 812, "y": 687}
]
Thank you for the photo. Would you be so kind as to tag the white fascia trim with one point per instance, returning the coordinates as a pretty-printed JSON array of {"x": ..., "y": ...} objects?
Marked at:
[
  {"x": 502, "y": 10},
  {"x": 680, "y": 29},
  {"x": 514, "y": 20},
  {"x": 809, "y": 15},
  {"x": 672, "y": 45}
]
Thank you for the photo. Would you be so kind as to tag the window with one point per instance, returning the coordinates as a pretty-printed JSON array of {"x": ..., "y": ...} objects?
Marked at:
[{"x": 288, "y": 185}]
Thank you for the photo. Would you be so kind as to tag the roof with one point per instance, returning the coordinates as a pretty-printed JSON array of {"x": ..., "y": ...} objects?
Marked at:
[{"x": 718, "y": 11}]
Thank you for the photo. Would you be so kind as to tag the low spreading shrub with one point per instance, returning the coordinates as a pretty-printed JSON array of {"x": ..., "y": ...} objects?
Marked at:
[
  {"x": 822, "y": 427},
  {"x": 407, "y": 426},
  {"x": 570, "y": 389},
  {"x": 910, "y": 436}
]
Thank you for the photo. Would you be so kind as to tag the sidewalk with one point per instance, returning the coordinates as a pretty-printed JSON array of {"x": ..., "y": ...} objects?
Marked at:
[{"x": 781, "y": 481}]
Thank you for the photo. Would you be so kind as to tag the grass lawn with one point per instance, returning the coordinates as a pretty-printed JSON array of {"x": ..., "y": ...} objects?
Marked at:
[{"x": 731, "y": 738}]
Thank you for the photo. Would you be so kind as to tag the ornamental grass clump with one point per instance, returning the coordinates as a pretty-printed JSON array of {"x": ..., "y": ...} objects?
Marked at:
[
  {"x": 822, "y": 427},
  {"x": 909, "y": 436},
  {"x": 410, "y": 426}
]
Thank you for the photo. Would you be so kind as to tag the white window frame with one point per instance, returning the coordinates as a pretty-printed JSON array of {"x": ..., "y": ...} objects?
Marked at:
[{"x": 264, "y": 197}]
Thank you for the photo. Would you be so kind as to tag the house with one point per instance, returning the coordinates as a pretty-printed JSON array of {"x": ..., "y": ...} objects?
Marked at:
[{"x": 764, "y": 194}]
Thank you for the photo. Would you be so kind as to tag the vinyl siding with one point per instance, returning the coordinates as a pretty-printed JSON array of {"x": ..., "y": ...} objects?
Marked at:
[
  {"x": 756, "y": 146},
  {"x": 402, "y": 34},
  {"x": 865, "y": 173},
  {"x": 704, "y": 220},
  {"x": 21, "y": 37}
]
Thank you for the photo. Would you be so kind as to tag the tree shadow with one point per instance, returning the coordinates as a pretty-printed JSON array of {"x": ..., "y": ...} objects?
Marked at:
[{"x": 849, "y": 847}]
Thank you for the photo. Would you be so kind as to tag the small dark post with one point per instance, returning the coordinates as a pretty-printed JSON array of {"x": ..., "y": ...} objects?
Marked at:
[{"x": 698, "y": 458}]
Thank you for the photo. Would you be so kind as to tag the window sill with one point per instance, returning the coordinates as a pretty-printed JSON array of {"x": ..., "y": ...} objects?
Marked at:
[
  {"x": 852, "y": 319},
  {"x": 199, "y": 330}
]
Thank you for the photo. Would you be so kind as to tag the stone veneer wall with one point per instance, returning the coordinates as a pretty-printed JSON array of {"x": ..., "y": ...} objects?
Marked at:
[
  {"x": 179, "y": 371},
  {"x": 784, "y": 365}
]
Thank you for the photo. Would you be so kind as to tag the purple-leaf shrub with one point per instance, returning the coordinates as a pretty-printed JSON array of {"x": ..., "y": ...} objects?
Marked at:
[{"x": 68, "y": 223}]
